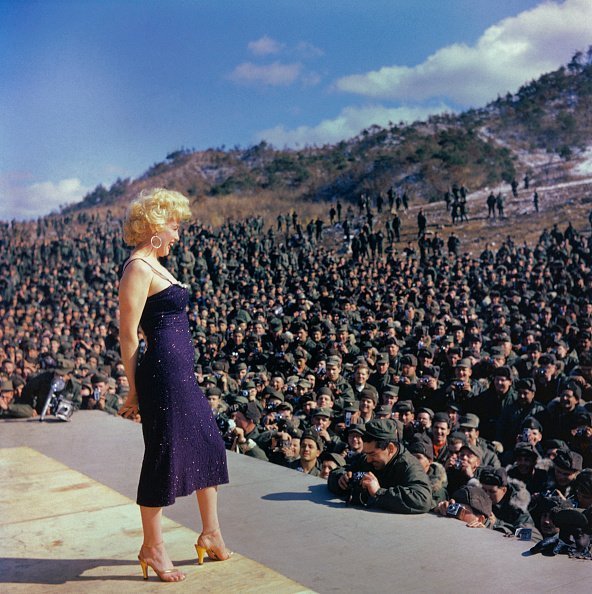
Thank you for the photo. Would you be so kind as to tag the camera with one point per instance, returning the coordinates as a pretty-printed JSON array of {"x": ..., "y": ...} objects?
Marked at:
[
  {"x": 58, "y": 406},
  {"x": 458, "y": 464},
  {"x": 458, "y": 384},
  {"x": 581, "y": 432},
  {"x": 245, "y": 393},
  {"x": 424, "y": 380},
  {"x": 357, "y": 494},
  {"x": 453, "y": 510},
  {"x": 348, "y": 417}
]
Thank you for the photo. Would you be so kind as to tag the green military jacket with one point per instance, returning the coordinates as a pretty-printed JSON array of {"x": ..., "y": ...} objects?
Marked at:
[{"x": 404, "y": 486}]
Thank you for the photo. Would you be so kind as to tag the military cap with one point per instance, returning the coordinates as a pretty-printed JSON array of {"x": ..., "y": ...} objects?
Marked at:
[
  {"x": 322, "y": 412},
  {"x": 248, "y": 385},
  {"x": 409, "y": 360},
  {"x": 314, "y": 436},
  {"x": 404, "y": 406},
  {"x": 370, "y": 394},
  {"x": 457, "y": 436},
  {"x": 568, "y": 460},
  {"x": 531, "y": 423},
  {"x": 275, "y": 324},
  {"x": 325, "y": 391},
  {"x": 381, "y": 430},
  {"x": 441, "y": 417},
  {"x": 476, "y": 497},
  {"x": 420, "y": 446},
  {"x": 300, "y": 353},
  {"x": 383, "y": 411},
  {"x": 433, "y": 371},
  {"x": 213, "y": 391},
  {"x": 391, "y": 391},
  {"x": 466, "y": 362},
  {"x": 98, "y": 378},
  {"x": 334, "y": 360},
  {"x": 351, "y": 406},
  {"x": 359, "y": 428},
  {"x": 6, "y": 386},
  {"x": 469, "y": 420},
  {"x": 474, "y": 449},
  {"x": 497, "y": 352},
  {"x": 270, "y": 393},
  {"x": 425, "y": 352},
  {"x": 427, "y": 410},
  {"x": 334, "y": 457},
  {"x": 569, "y": 520},
  {"x": 488, "y": 475},
  {"x": 284, "y": 406},
  {"x": 526, "y": 383},
  {"x": 252, "y": 412},
  {"x": 383, "y": 358},
  {"x": 547, "y": 359},
  {"x": 574, "y": 387},
  {"x": 525, "y": 449},
  {"x": 533, "y": 347},
  {"x": 304, "y": 384},
  {"x": 502, "y": 372}
]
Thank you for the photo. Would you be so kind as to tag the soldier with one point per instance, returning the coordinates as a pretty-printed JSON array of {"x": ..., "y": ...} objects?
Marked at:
[
  {"x": 491, "y": 205},
  {"x": 396, "y": 224},
  {"x": 386, "y": 477},
  {"x": 535, "y": 200}
]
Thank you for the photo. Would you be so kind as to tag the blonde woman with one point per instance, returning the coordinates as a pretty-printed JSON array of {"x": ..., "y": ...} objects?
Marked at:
[{"x": 184, "y": 451}]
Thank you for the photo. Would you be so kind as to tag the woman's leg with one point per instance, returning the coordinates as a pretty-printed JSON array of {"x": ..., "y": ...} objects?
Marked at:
[
  {"x": 211, "y": 537},
  {"x": 153, "y": 550}
]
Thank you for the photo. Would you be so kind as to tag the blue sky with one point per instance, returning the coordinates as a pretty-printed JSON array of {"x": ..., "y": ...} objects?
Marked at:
[{"x": 93, "y": 90}]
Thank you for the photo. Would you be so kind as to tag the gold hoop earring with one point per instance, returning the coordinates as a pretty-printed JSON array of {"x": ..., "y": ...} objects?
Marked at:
[{"x": 156, "y": 247}]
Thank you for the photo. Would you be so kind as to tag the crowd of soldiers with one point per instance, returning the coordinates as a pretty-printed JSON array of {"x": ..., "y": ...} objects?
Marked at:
[{"x": 476, "y": 370}]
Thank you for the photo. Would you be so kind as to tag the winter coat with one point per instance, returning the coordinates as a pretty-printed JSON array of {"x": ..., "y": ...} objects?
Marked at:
[{"x": 404, "y": 486}]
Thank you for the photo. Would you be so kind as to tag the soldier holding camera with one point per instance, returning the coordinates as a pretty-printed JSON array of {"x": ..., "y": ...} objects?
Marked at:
[{"x": 386, "y": 476}]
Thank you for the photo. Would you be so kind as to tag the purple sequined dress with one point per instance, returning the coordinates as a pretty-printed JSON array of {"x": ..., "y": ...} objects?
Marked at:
[{"x": 184, "y": 450}]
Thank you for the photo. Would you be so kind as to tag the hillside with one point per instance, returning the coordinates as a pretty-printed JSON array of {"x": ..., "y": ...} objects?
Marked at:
[{"x": 543, "y": 130}]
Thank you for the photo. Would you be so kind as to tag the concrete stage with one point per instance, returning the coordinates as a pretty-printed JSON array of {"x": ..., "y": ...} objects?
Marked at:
[{"x": 69, "y": 524}]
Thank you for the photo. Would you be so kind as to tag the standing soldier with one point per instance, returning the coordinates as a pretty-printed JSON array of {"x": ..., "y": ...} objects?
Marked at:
[
  {"x": 491, "y": 205},
  {"x": 405, "y": 201},
  {"x": 391, "y": 198},
  {"x": 339, "y": 211},
  {"x": 398, "y": 202},
  {"x": 514, "y": 185},
  {"x": 535, "y": 200},
  {"x": 332, "y": 213},
  {"x": 499, "y": 202},
  {"x": 453, "y": 244},
  {"x": 422, "y": 223},
  {"x": 396, "y": 224},
  {"x": 280, "y": 222},
  {"x": 379, "y": 202},
  {"x": 526, "y": 182}
]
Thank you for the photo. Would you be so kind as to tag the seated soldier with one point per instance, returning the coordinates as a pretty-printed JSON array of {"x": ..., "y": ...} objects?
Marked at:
[
  {"x": 560, "y": 478},
  {"x": 422, "y": 449},
  {"x": 469, "y": 424},
  {"x": 311, "y": 447},
  {"x": 461, "y": 467},
  {"x": 525, "y": 468},
  {"x": 387, "y": 476},
  {"x": 510, "y": 501},
  {"x": 470, "y": 504}
]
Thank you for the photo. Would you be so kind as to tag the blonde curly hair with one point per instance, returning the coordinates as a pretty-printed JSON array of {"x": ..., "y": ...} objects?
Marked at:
[{"x": 151, "y": 211}]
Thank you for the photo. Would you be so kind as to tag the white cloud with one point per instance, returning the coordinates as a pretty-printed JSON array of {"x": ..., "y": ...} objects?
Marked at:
[
  {"x": 308, "y": 50},
  {"x": 272, "y": 75},
  {"x": 350, "y": 122},
  {"x": 509, "y": 53},
  {"x": 264, "y": 46},
  {"x": 18, "y": 201}
]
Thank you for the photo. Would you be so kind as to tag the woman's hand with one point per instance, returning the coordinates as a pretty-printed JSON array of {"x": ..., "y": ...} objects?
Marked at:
[{"x": 130, "y": 408}]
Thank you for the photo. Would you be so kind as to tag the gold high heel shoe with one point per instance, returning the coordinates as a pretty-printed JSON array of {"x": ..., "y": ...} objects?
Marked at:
[
  {"x": 202, "y": 550},
  {"x": 145, "y": 565}
]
